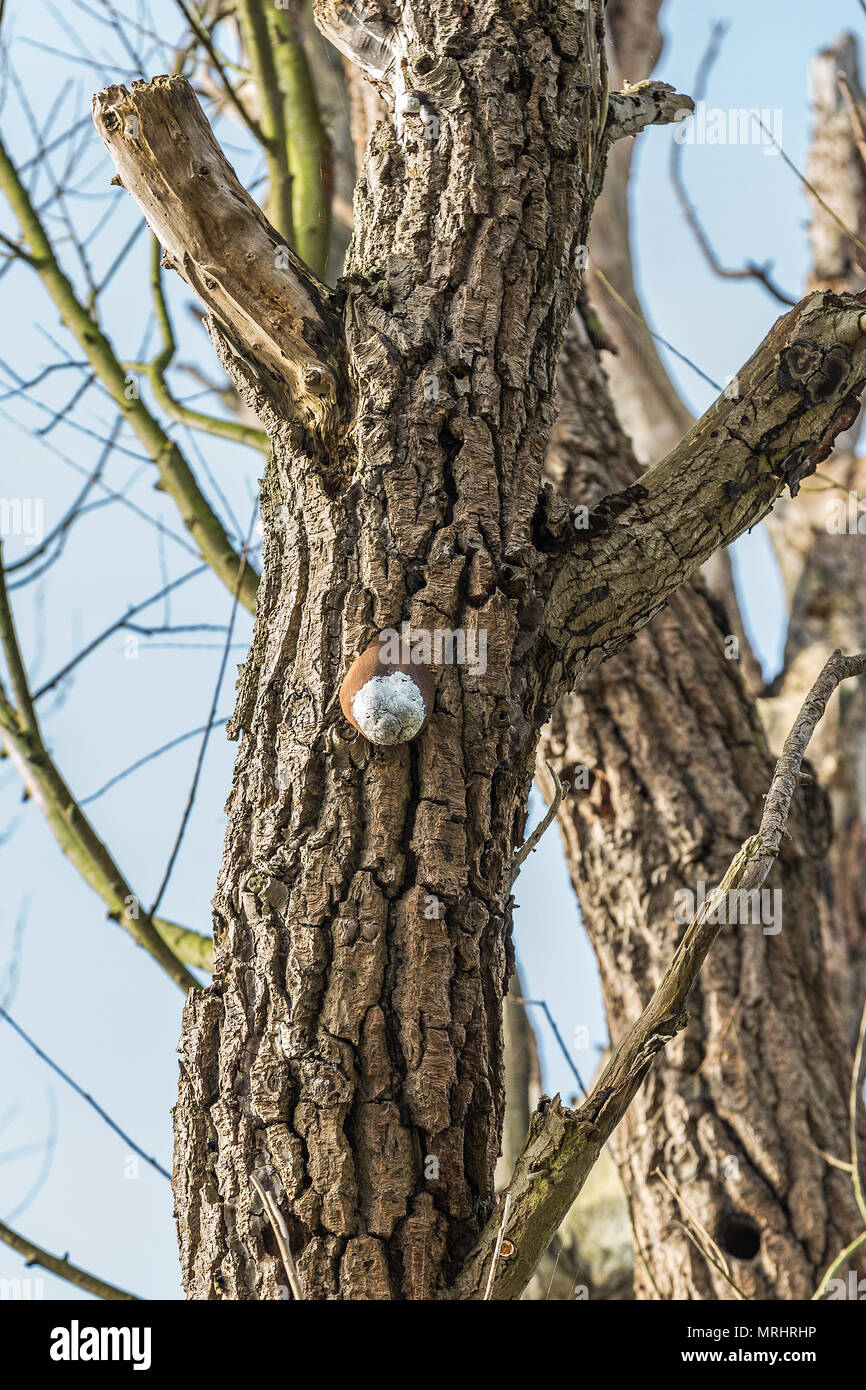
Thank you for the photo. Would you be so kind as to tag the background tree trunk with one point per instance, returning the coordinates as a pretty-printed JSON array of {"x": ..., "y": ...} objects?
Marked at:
[{"x": 740, "y": 1106}]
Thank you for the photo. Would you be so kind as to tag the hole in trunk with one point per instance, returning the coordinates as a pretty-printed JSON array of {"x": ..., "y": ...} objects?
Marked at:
[{"x": 739, "y": 1237}]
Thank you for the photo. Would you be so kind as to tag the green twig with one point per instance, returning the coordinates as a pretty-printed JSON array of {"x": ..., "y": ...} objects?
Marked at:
[
  {"x": 63, "y": 1267},
  {"x": 854, "y": 1103},
  {"x": 308, "y": 147},
  {"x": 176, "y": 477},
  {"x": 66, "y": 820},
  {"x": 257, "y": 42},
  {"x": 156, "y": 374}
]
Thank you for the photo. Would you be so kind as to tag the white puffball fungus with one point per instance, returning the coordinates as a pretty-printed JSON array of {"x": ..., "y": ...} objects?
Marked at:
[{"x": 389, "y": 709}]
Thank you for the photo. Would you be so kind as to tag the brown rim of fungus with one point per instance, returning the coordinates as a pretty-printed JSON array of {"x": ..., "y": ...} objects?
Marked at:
[{"x": 388, "y": 701}]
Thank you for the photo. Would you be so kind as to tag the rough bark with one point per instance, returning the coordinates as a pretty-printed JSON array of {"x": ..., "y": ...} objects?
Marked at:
[
  {"x": 642, "y": 701},
  {"x": 820, "y": 549},
  {"x": 737, "y": 1107},
  {"x": 348, "y": 1037},
  {"x": 348, "y": 1053}
]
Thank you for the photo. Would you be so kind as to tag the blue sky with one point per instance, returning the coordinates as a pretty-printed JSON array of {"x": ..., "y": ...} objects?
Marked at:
[{"x": 87, "y": 995}]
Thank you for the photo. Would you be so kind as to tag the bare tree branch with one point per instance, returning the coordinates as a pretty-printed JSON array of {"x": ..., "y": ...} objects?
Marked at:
[
  {"x": 85, "y": 1096},
  {"x": 770, "y": 429},
  {"x": 642, "y": 104},
  {"x": 268, "y": 306},
  {"x": 209, "y": 724},
  {"x": 175, "y": 474},
  {"x": 62, "y": 1267},
  {"x": 204, "y": 38},
  {"x": 22, "y": 738},
  {"x": 749, "y": 271}
]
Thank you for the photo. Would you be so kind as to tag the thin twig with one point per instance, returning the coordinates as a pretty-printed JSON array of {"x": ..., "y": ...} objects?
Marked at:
[
  {"x": 62, "y": 1267},
  {"x": 211, "y": 718},
  {"x": 624, "y": 304},
  {"x": 148, "y": 758},
  {"x": 204, "y": 39},
  {"x": 839, "y": 1263},
  {"x": 811, "y": 187},
  {"x": 85, "y": 1096},
  {"x": 542, "y": 1004},
  {"x": 156, "y": 371},
  {"x": 24, "y": 711},
  {"x": 619, "y": 1164},
  {"x": 854, "y": 113},
  {"x": 529, "y": 845},
  {"x": 701, "y": 1237},
  {"x": 854, "y": 1103},
  {"x": 24, "y": 744},
  {"x": 281, "y": 1232},
  {"x": 750, "y": 271},
  {"x": 116, "y": 626},
  {"x": 497, "y": 1248}
]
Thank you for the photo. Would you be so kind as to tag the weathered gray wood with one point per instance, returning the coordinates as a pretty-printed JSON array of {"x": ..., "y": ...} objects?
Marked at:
[{"x": 270, "y": 307}]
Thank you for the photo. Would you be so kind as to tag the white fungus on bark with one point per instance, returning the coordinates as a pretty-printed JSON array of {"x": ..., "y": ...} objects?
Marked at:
[{"x": 389, "y": 709}]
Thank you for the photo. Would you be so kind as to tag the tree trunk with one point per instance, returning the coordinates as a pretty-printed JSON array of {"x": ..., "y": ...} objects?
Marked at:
[
  {"x": 820, "y": 545},
  {"x": 347, "y": 1058},
  {"x": 350, "y": 1047}
]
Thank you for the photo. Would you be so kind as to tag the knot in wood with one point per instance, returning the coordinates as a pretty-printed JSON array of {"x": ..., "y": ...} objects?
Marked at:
[{"x": 814, "y": 371}]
